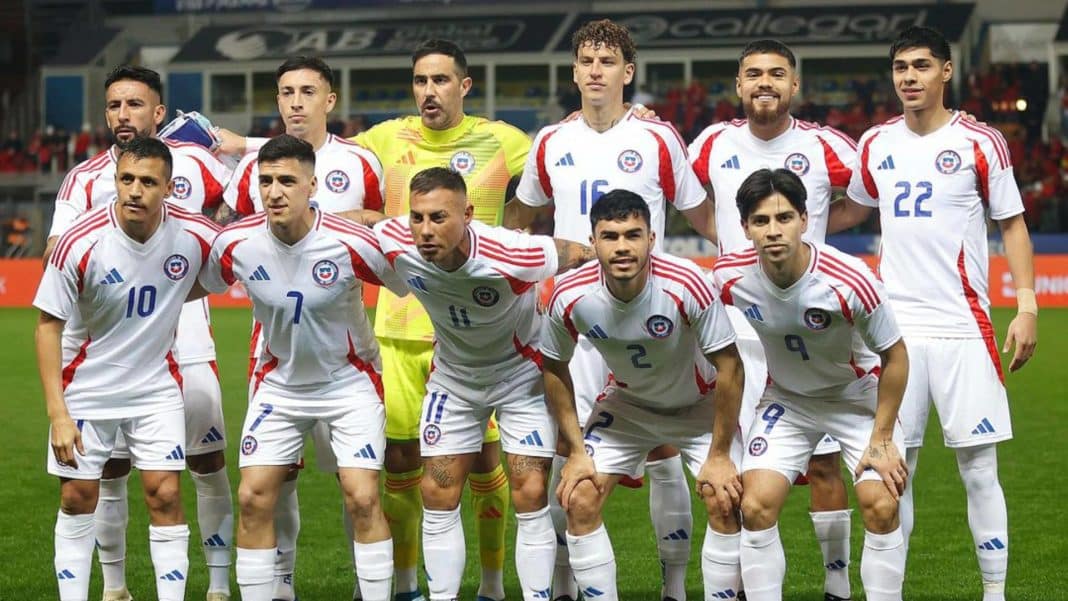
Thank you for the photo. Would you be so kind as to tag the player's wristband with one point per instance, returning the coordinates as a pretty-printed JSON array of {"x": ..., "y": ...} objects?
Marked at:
[{"x": 1026, "y": 302}]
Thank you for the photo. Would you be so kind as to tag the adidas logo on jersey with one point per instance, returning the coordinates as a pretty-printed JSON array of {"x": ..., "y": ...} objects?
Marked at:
[
  {"x": 177, "y": 453},
  {"x": 213, "y": 435},
  {"x": 984, "y": 427},
  {"x": 566, "y": 161},
  {"x": 113, "y": 277},
  {"x": 993, "y": 544},
  {"x": 407, "y": 159},
  {"x": 260, "y": 275},
  {"x": 888, "y": 163},
  {"x": 173, "y": 575},
  {"x": 532, "y": 439},
  {"x": 731, "y": 163},
  {"x": 753, "y": 312},
  {"x": 596, "y": 332},
  {"x": 418, "y": 283},
  {"x": 679, "y": 534},
  {"x": 366, "y": 452}
]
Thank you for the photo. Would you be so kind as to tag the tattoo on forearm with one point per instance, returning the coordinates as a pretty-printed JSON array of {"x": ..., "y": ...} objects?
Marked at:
[
  {"x": 521, "y": 465},
  {"x": 438, "y": 468}
]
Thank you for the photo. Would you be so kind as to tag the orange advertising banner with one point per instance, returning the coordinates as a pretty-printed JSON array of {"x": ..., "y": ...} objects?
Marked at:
[{"x": 19, "y": 278}]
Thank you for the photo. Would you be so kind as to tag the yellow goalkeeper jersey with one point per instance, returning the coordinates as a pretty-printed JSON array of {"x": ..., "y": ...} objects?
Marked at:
[{"x": 487, "y": 153}]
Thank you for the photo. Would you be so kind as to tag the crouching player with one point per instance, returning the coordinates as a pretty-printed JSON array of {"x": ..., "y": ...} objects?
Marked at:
[
  {"x": 676, "y": 378},
  {"x": 824, "y": 324}
]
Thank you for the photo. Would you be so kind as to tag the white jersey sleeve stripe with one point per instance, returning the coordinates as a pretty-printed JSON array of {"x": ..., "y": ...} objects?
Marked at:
[
  {"x": 66, "y": 242},
  {"x": 1000, "y": 147},
  {"x": 695, "y": 283}
]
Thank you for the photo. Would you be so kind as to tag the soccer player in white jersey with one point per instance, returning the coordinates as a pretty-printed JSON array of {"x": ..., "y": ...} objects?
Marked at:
[
  {"x": 133, "y": 108},
  {"x": 571, "y": 165},
  {"x": 123, "y": 270},
  {"x": 827, "y": 332},
  {"x": 935, "y": 177},
  {"x": 676, "y": 378},
  {"x": 723, "y": 155},
  {"x": 303, "y": 270},
  {"x": 479, "y": 285}
]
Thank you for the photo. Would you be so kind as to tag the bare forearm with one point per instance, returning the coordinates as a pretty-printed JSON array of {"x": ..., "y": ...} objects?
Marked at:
[
  {"x": 702, "y": 219},
  {"x": 1018, "y": 252},
  {"x": 844, "y": 214},
  {"x": 730, "y": 383},
  {"x": 892, "y": 378},
  {"x": 572, "y": 254},
  {"x": 517, "y": 215},
  {"x": 49, "y": 360},
  {"x": 559, "y": 392}
]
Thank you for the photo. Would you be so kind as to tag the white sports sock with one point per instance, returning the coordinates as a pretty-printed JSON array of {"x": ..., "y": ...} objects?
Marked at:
[
  {"x": 73, "y": 555},
  {"x": 721, "y": 568},
  {"x": 255, "y": 573},
  {"x": 669, "y": 508},
  {"x": 444, "y": 552},
  {"x": 374, "y": 569},
  {"x": 832, "y": 532},
  {"x": 987, "y": 515},
  {"x": 882, "y": 566},
  {"x": 906, "y": 508},
  {"x": 111, "y": 517},
  {"x": 563, "y": 578},
  {"x": 215, "y": 515},
  {"x": 535, "y": 549},
  {"x": 169, "y": 548},
  {"x": 763, "y": 564},
  {"x": 594, "y": 564},
  {"x": 286, "y": 530}
]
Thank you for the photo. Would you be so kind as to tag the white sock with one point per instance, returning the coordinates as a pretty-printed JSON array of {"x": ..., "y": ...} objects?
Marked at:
[
  {"x": 111, "y": 517},
  {"x": 594, "y": 564},
  {"x": 444, "y": 553},
  {"x": 669, "y": 507},
  {"x": 215, "y": 515},
  {"x": 987, "y": 514},
  {"x": 350, "y": 534},
  {"x": 73, "y": 555},
  {"x": 882, "y": 566},
  {"x": 763, "y": 564},
  {"x": 406, "y": 579},
  {"x": 535, "y": 549},
  {"x": 491, "y": 583},
  {"x": 255, "y": 573},
  {"x": 374, "y": 569},
  {"x": 906, "y": 508},
  {"x": 721, "y": 568},
  {"x": 286, "y": 529},
  {"x": 563, "y": 578},
  {"x": 169, "y": 548},
  {"x": 832, "y": 532}
]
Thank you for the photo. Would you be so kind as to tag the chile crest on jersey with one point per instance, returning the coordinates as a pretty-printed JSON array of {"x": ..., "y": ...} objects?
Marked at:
[
  {"x": 485, "y": 296},
  {"x": 798, "y": 163},
  {"x": 182, "y": 188},
  {"x": 948, "y": 162},
  {"x": 176, "y": 267},
  {"x": 629, "y": 161},
  {"x": 659, "y": 326},
  {"x": 337, "y": 181},
  {"x": 817, "y": 319},
  {"x": 325, "y": 272}
]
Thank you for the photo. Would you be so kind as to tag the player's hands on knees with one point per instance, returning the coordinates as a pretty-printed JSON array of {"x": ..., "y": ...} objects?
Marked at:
[
  {"x": 579, "y": 467},
  {"x": 883, "y": 457},
  {"x": 65, "y": 439},
  {"x": 719, "y": 479},
  {"x": 1023, "y": 333}
]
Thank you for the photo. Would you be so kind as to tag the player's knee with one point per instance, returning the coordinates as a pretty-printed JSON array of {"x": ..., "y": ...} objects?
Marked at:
[
  {"x": 757, "y": 513},
  {"x": 163, "y": 494},
  {"x": 978, "y": 470},
  {"x": 442, "y": 496},
  {"x": 209, "y": 463},
  {"x": 78, "y": 500},
  {"x": 585, "y": 503},
  {"x": 362, "y": 503},
  {"x": 880, "y": 512},
  {"x": 529, "y": 493},
  {"x": 253, "y": 499}
]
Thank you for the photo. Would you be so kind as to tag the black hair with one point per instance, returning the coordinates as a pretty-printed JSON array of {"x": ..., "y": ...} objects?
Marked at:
[
  {"x": 606, "y": 33},
  {"x": 445, "y": 47},
  {"x": 144, "y": 147},
  {"x": 618, "y": 205},
  {"x": 436, "y": 178},
  {"x": 286, "y": 146},
  {"x": 130, "y": 72},
  {"x": 919, "y": 36},
  {"x": 762, "y": 183},
  {"x": 313, "y": 63},
  {"x": 768, "y": 46}
]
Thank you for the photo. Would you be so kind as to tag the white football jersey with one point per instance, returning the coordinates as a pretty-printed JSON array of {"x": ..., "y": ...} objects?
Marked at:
[
  {"x": 308, "y": 299},
  {"x": 572, "y": 165},
  {"x": 198, "y": 179},
  {"x": 485, "y": 314},
  {"x": 128, "y": 297},
  {"x": 933, "y": 193},
  {"x": 821, "y": 334},
  {"x": 726, "y": 153},
  {"x": 349, "y": 177},
  {"x": 655, "y": 344}
]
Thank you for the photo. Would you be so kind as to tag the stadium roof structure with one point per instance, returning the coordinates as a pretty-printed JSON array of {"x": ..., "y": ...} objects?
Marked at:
[{"x": 83, "y": 48}]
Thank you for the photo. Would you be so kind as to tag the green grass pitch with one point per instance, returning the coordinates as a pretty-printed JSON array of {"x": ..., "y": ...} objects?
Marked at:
[{"x": 941, "y": 566}]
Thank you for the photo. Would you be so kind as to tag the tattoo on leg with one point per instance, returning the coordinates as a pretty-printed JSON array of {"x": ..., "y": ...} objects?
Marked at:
[
  {"x": 521, "y": 465},
  {"x": 439, "y": 470}
]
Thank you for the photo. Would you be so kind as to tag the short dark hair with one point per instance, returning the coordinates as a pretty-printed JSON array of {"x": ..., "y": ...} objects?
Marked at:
[
  {"x": 286, "y": 146},
  {"x": 605, "y": 33},
  {"x": 445, "y": 47},
  {"x": 436, "y": 178},
  {"x": 762, "y": 183},
  {"x": 768, "y": 46},
  {"x": 145, "y": 147},
  {"x": 133, "y": 73},
  {"x": 314, "y": 63},
  {"x": 618, "y": 205},
  {"x": 919, "y": 36}
]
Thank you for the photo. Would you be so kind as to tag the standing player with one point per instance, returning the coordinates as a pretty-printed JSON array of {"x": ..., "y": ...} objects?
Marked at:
[
  {"x": 479, "y": 286},
  {"x": 933, "y": 176},
  {"x": 303, "y": 269},
  {"x": 575, "y": 162},
  {"x": 133, "y": 109},
  {"x": 123, "y": 271},
  {"x": 821, "y": 318},
  {"x": 723, "y": 155},
  {"x": 676, "y": 379}
]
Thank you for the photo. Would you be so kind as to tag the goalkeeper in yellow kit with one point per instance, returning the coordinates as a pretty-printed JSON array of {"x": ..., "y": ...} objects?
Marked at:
[{"x": 490, "y": 155}]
